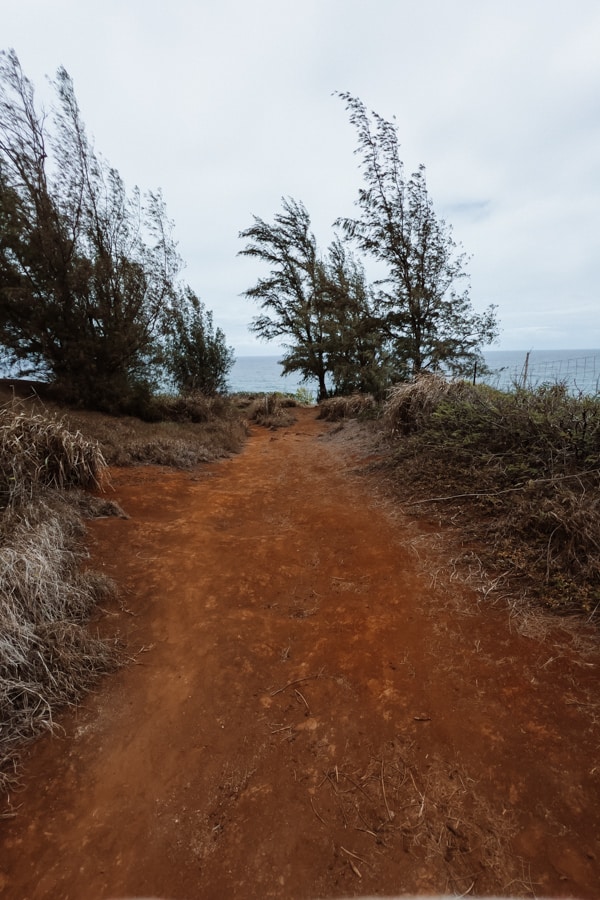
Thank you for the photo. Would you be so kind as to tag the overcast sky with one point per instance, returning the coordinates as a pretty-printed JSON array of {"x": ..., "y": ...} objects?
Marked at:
[{"x": 227, "y": 106}]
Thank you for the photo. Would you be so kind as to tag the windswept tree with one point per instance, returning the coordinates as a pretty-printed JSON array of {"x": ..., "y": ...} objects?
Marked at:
[
  {"x": 321, "y": 305},
  {"x": 290, "y": 295},
  {"x": 87, "y": 272},
  {"x": 357, "y": 352},
  {"x": 425, "y": 304},
  {"x": 197, "y": 357}
]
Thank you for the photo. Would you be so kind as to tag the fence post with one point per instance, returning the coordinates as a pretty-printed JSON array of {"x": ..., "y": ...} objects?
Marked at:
[{"x": 525, "y": 370}]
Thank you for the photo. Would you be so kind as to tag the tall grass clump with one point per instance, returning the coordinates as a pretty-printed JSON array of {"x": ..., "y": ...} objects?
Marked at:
[
  {"x": 353, "y": 406},
  {"x": 48, "y": 657},
  {"x": 36, "y": 451},
  {"x": 523, "y": 467},
  {"x": 271, "y": 410}
]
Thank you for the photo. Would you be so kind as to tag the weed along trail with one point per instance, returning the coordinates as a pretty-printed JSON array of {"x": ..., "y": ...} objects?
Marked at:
[{"x": 313, "y": 709}]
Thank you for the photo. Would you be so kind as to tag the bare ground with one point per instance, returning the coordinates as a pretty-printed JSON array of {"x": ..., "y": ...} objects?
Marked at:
[{"x": 316, "y": 706}]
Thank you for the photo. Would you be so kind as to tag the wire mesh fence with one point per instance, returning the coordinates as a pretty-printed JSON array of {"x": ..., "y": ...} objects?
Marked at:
[{"x": 580, "y": 374}]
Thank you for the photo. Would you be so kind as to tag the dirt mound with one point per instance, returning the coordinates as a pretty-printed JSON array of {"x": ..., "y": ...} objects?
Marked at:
[{"x": 315, "y": 707}]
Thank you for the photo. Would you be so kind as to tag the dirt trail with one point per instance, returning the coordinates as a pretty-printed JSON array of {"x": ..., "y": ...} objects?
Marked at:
[{"x": 309, "y": 716}]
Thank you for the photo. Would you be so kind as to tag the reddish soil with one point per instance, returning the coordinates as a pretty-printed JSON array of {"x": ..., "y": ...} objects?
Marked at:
[{"x": 316, "y": 705}]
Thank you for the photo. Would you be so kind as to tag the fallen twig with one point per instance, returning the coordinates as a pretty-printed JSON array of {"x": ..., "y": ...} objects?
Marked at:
[{"x": 297, "y": 681}]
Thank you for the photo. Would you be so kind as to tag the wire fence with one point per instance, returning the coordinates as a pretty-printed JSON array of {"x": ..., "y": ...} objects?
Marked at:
[{"x": 580, "y": 374}]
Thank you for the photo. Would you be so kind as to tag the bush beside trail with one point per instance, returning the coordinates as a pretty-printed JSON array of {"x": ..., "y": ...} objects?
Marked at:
[
  {"x": 48, "y": 656},
  {"x": 269, "y": 410},
  {"x": 180, "y": 431},
  {"x": 353, "y": 406},
  {"x": 518, "y": 471}
]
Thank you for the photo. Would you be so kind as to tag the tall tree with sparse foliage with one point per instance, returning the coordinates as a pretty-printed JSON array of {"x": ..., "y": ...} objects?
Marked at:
[
  {"x": 321, "y": 305},
  {"x": 426, "y": 309},
  {"x": 291, "y": 294},
  {"x": 87, "y": 271}
]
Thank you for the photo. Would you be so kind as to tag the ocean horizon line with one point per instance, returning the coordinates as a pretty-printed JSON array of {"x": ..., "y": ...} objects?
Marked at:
[{"x": 544, "y": 350}]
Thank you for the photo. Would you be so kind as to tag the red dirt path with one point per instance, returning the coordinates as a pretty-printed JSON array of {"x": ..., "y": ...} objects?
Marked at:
[{"x": 308, "y": 715}]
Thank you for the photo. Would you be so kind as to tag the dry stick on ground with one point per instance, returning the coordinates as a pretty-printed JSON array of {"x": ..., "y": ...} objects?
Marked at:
[
  {"x": 297, "y": 681},
  {"x": 511, "y": 490},
  {"x": 391, "y": 815},
  {"x": 303, "y": 698},
  {"x": 354, "y": 855},
  {"x": 320, "y": 818}
]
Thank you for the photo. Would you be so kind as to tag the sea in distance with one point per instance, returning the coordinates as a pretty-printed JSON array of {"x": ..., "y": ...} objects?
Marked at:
[{"x": 579, "y": 369}]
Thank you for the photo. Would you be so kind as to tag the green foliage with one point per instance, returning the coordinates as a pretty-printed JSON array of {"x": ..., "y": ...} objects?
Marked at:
[
  {"x": 322, "y": 304},
  {"x": 87, "y": 271},
  {"x": 291, "y": 294},
  {"x": 341, "y": 330},
  {"x": 358, "y": 356},
  {"x": 538, "y": 432},
  {"x": 196, "y": 355},
  {"x": 304, "y": 397},
  {"x": 427, "y": 319}
]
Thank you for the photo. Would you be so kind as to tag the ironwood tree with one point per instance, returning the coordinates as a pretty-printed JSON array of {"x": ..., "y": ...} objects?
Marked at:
[
  {"x": 426, "y": 311},
  {"x": 320, "y": 304},
  {"x": 291, "y": 294},
  {"x": 358, "y": 354},
  {"x": 88, "y": 271},
  {"x": 196, "y": 353}
]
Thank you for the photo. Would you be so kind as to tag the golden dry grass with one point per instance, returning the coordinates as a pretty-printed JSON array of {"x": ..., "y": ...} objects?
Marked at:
[
  {"x": 48, "y": 657},
  {"x": 354, "y": 406},
  {"x": 519, "y": 472},
  {"x": 49, "y": 455},
  {"x": 269, "y": 410},
  {"x": 37, "y": 451},
  {"x": 188, "y": 430}
]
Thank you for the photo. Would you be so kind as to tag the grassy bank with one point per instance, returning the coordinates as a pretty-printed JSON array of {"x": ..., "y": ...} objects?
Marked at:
[
  {"x": 518, "y": 472},
  {"x": 48, "y": 655}
]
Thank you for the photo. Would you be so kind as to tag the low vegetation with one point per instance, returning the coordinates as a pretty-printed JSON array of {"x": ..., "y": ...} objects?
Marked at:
[
  {"x": 519, "y": 471},
  {"x": 269, "y": 410},
  {"x": 48, "y": 655},
  {"x": 355, "y": 406},
  {"x": 179, "y": 431}
]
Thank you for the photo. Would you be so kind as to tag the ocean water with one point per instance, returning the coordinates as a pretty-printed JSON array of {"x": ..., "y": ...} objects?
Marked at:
[
  {"x": 262, "y": 374},
  {"x": 579, "y": 369}
]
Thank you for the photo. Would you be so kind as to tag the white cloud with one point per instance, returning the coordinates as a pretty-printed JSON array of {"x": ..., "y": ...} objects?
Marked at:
[{"x": 227, "y": 106}]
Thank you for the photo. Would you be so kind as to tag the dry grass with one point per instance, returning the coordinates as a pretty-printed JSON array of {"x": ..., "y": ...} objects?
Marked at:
[
  {"x": 394, "y": 804},
  {"x": 269, "y": 410},
  {"x": 409, "y": 406},
  {"x": 126, "y": 441},
  {"x": 36, "y": 451},
  {"x": 520, "y": 473},
  {"x": 352, "y": 407},
  {"x": 47, "y": 655},
  {"x": 48, "y": 456},
  {"x": 189, "y": 430}
]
